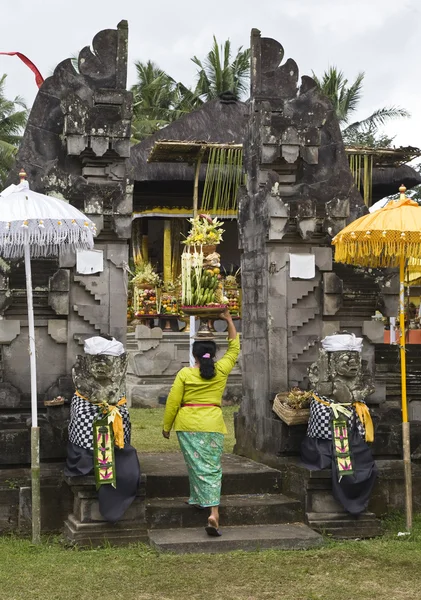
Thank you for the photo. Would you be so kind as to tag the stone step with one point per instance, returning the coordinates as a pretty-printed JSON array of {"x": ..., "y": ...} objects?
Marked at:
[
  {"x": 166, "y": 476},
  {"x": 96, "y": 534},
  {"x": 294, "y": 536},
  {"x": 345, "y": 526},
  {"x": 257, "y": 509}
]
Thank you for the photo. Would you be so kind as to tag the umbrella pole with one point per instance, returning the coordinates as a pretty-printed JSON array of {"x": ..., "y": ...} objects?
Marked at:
[
  {"x": 405, "y": 422},
  {"x": 35, "y": 463}
]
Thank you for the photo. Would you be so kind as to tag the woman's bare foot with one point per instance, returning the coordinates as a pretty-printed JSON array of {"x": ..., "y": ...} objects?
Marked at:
[
  {"x": 212, "y": 528},
  {"x": 213, "y": 522}
]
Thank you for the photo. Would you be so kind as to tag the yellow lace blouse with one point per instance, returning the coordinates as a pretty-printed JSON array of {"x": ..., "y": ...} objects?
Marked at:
[{"x": 190, "y": 388}]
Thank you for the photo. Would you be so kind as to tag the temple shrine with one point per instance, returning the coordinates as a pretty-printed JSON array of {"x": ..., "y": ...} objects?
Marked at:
[{"x": 295, "y": 187}]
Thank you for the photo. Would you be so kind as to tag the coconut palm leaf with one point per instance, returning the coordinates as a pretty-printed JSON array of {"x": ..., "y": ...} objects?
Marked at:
[
  {"x": 157, "y": 100},
  {"x": 344, "y": 98},
  {"x": 377, "y": 119},
  {"x": 218, "y": 73}
]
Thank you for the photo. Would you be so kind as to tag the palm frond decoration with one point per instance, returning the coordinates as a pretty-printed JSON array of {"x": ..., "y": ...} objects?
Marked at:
[
  {"x": 223, "y": 178},
  {"x": 361, "y": 166}
]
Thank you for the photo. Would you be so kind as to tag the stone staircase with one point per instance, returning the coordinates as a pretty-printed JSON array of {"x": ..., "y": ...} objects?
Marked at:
[
  {"x": 253, "y": 513},
  {"x": 261, "y": 507},
  {"x": 360, "y": 298}
]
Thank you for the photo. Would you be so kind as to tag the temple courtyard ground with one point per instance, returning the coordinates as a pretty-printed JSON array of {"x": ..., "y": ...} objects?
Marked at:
[{"x": 384, "y": 568}]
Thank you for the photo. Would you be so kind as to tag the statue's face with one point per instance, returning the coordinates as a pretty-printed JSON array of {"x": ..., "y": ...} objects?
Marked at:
[
  {"x": 100, "y": 366},
  {"x": 348, "y": 364}
]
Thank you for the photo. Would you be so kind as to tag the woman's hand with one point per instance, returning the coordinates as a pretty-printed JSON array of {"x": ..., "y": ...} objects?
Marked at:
[
  {"x": 166, "y": 434},
  {"x": 225, "y": 316}
]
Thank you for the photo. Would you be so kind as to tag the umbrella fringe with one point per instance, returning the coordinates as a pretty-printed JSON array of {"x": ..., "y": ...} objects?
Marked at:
[
  {"x": 372, "y": 253},
  {"x": 43, "y": 242}
]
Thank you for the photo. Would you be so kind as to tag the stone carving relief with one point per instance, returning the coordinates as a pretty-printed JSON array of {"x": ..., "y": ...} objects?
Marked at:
[
  {"x": 340, "y": 376},
  {"x": 101, "y": 378}
]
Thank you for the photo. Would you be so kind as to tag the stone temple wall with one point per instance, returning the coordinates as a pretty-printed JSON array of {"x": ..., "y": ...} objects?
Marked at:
[
  {"x": 299, "y": 194},
  {"x": 75, "y": 146}
]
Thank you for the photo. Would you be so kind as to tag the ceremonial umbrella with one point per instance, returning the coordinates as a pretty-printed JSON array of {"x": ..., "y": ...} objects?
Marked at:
[
  {"x": 388, "y": 237},
  {"x": 35, "y": 225}
]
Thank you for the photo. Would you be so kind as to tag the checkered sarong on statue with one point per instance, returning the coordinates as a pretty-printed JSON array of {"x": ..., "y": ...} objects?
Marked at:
[
  {"x": 82, "y": 416},
  {"x": 320, "y": 420}
]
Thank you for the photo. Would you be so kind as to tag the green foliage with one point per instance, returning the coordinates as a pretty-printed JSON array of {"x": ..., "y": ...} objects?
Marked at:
[
  {"x": 157, "y": 100},
  {"x": 220, "y": 72},
  {"x": 13, "y": 116},
  {"x": 345, "y": 98}
]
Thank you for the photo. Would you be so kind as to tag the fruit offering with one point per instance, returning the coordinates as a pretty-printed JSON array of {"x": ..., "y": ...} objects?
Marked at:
[
  {"x": 130, "y": 310},
  {"x": 201, "y": 278},
  {"x": 169, "y": 304},
  {"x": 204, "y": 289},
  {"x": 233, "y": 296},
  {"x": 144, "y": 301}
]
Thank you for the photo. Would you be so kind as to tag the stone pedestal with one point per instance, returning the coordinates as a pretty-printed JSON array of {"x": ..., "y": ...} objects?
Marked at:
[
  {"x": 85, "y": 525},
  {"x": 15, "y": 434}
]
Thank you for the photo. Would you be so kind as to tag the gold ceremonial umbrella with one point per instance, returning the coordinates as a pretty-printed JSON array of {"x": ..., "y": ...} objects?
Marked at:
[
  {"x": 388, "y": 237},
  {"x": 413, "y": 277}
]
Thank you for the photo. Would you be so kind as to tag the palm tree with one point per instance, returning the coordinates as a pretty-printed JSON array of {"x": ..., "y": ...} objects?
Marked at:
[
  {"x": 345, "y": 99},
  {"x": 218, "y": 73},
  {"x": 13, "y": 116},
  {"x": 157, "y": 100}
]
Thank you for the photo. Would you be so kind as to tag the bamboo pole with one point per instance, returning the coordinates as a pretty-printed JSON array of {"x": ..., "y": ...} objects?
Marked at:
[
  {"x": 366, "y": 180},
  {"x": 167, "y": 252},
  {"x": 196, "y": 181},
  {"x": 35, "y": 451},
  {"x": 405, "y": 423}
]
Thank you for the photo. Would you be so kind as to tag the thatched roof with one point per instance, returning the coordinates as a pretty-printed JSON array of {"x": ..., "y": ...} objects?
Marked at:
[
  {"x": 386, "y": 157},
  {"x": 216, "y": 121},
  {"x": 225, "y": 122},
  {"x": 386, "y": 180}
]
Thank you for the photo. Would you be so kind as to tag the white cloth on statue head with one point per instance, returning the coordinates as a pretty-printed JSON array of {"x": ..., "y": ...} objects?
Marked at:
[
  {"x": 99, "y": 345},
  {"x": 342, "y": 342}
]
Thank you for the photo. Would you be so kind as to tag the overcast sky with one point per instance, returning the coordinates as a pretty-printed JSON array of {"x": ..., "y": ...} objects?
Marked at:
[{"x": 380, "y": 37}]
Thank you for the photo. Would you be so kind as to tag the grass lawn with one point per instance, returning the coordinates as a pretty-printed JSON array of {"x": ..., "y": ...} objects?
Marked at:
[
  {"x": 147, "y": 430},
  {"x": 382, "y": 569}
]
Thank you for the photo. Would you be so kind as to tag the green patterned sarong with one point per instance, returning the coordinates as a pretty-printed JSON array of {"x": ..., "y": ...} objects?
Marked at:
[{"x": 202, "y": 453}]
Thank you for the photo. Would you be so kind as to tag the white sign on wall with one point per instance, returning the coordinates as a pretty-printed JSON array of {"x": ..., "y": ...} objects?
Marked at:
[{"x": 89, "y": 262}]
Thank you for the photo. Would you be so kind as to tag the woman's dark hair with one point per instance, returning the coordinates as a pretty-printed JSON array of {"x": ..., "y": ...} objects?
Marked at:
[{"x": 201, "y": 350}]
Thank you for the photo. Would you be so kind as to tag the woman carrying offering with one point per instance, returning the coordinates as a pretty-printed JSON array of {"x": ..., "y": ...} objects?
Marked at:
[{"x": 193, "y": 410}]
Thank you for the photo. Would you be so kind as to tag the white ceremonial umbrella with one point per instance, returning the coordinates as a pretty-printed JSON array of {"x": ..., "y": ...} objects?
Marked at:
[{"x": 35, "y": 225}]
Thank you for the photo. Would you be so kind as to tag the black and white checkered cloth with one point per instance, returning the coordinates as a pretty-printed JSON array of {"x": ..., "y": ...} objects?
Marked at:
[
  {"x": 82, "y": 417},
  {"x": 320, "y": 421}
]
